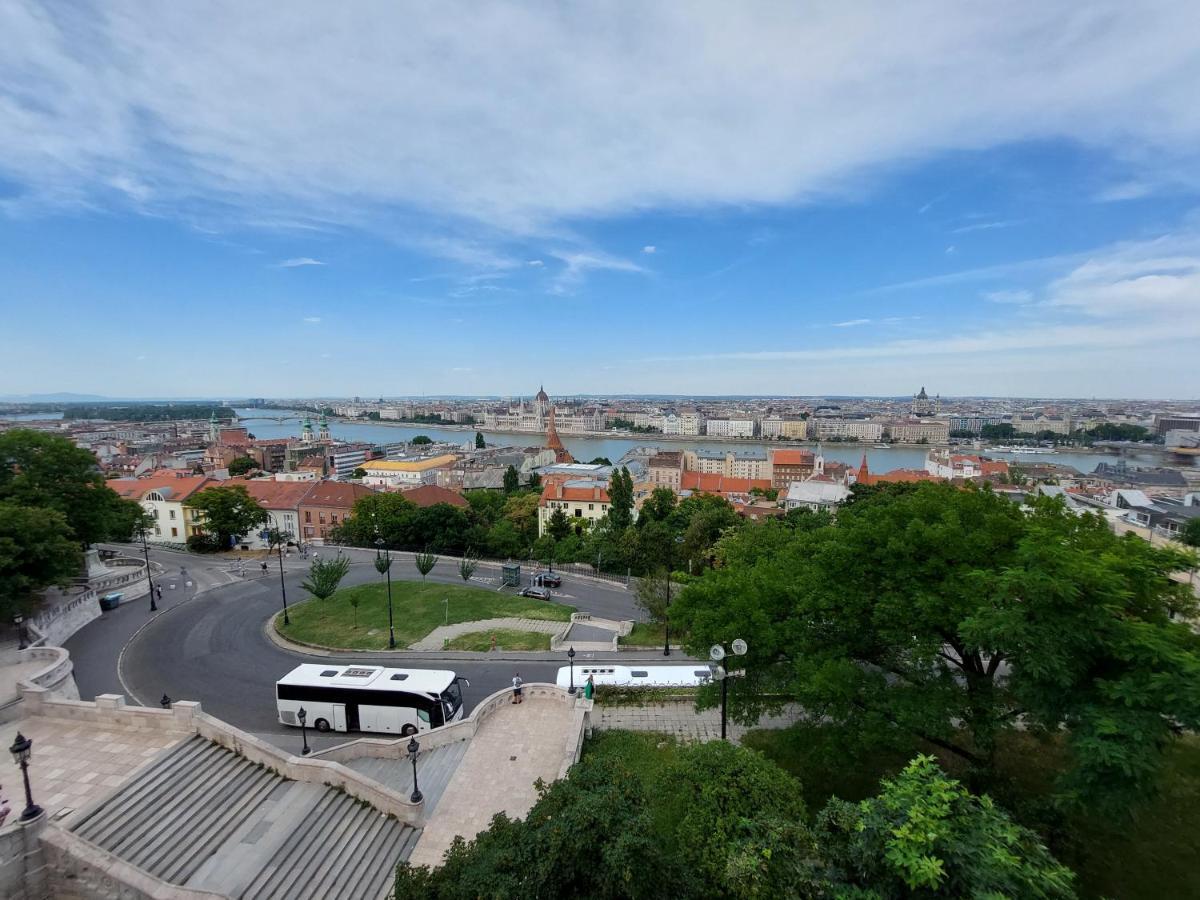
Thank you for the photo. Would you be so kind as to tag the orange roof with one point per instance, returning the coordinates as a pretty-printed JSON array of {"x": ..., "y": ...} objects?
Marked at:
[
  {"x": 715, "y": 483},
  {"x": 181, "y": 485},
  {"x": 791, "y": 458},
  {"x": 557, "y": 491},
  {"x": 273, "y": 494},
  {"x": 337, "y": 494},
  {"x": 995, "y": 467},
  {"x": 431, "y": 494}
]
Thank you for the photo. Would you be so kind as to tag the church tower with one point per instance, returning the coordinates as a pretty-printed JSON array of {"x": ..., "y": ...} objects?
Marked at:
[
  {"x": 554, "y": 442},
  {"x": 214, "y": 428},
  {"x": 306, "y": 432},
  {"x": 864, "y": 474},
  {"x": 323, "y": 431}
]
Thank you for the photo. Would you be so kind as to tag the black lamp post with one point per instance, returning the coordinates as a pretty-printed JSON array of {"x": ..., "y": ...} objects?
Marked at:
[
  {"x": 413, "y": 750},
  {"x": 667, "y": 606},
  {"x": 717, "y": 653},
  {"x": 21, "y": 750},
  {"x": 279, "y": 541},
  {"x": 165, "y": 702},
  {"x": 571, "y": 658},
  {"x": 149, "y": 580},
  {"x": 19, "y": 621},
  {"x": 384, "y": 564},
  {"x": 303, "y": 717}
]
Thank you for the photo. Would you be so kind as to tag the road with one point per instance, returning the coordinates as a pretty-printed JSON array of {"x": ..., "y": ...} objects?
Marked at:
[{"x": 208, "y": 641}]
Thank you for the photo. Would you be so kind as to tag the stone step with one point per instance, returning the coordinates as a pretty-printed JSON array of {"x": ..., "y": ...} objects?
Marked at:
[{"x": 435, "y": 768}]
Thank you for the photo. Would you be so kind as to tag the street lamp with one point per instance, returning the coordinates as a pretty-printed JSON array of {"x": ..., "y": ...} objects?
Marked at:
[
  {"x": 149, "y": 580},
  {"x": 571, "y": 659},
  {"x": 303, "y": 717},
  {"x": 384, "y": 564},
  {"x": 413, "y": 750},
  {"x": 667, "y": 607},
  {"x": 165, "y": 702},
  {"x": 279, "y": 538},
  {"x": 19, "y": 621},
  {"x": 21, "y": 750},
  {"x": 717, "y": 653}
]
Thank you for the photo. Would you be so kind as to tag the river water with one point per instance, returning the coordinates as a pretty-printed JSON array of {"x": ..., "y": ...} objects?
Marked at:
[{"x": 587, "y": 448}]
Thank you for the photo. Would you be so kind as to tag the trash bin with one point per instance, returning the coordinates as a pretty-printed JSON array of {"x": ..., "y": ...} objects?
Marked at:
[{"x": 111, "y": 601}]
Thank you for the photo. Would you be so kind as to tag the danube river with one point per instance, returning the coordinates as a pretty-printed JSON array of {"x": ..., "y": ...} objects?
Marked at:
[{"x": 585, "y": 448}]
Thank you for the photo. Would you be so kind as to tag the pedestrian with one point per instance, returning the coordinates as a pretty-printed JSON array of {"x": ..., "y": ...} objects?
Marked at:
[
  {"x": 517, "y": 688},
  {"x": 158, "y": 591},
  {"x": 589, "y": 688},
  {"x": 264, "y": 566}
]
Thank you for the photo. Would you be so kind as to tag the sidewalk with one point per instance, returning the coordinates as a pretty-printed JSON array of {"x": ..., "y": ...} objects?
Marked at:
[
  {"x": 681, "y": 720},
  {"x": 436, "y": 639}
]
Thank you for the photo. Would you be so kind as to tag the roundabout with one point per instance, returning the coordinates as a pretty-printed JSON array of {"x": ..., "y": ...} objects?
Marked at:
[{"x": 213, "y": 646}]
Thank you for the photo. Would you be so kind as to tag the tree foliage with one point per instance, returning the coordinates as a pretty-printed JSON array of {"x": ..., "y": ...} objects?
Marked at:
[
  {"x": 49, "y": 472},
  {"x": 325, "y": 576},
  {"x": 1191, "y": 533},
  {"x": 620, "y": 499},
  {"x": 241, "y": 465},
  {"x": 480, "y": 443},
  {"x": 955, "y": 616},
  {"x": 467, "y": 566},
  {"x": 512, "y": 480},
  {"x": 421, "y": 439},
  {"x": 559, "y": 525},
  {"x": 229, "y": 511},
  {"x": 37, "y": 550},
  {"x": 425, "y": 561}
]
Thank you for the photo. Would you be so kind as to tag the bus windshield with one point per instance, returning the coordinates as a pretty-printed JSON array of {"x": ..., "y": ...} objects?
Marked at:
[{"x": 452, "y": 697}]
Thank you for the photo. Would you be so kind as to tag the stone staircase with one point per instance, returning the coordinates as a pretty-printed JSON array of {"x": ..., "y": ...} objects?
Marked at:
[
  {"x": 434, "y": 770},
  {"x": 204, "y": 817}
]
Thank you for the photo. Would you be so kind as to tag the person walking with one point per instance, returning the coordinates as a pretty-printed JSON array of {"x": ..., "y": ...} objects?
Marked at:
[
  {"x": 589, "y": 688},
  {"x": 517, "y": 689},
  {"x": 158, "y": 592}
]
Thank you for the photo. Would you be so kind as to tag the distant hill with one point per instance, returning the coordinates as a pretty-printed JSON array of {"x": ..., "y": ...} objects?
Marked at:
[{"x": 54, "y": 398}]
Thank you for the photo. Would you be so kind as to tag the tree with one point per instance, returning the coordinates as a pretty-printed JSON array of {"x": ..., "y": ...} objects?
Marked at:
[
  {"x": 999, "y": 432},
  {"x": 37, "y": 550},
  {"x": 512, "y": 481},
  {"x": 480, "y": 443},
  {"x": 467, "y": 565},
  {"x": 421, "y": 439},
  {"x": 424, "y": 561},
  {"x": 325, "y": 576},
  {"x": 229, "y": 510},
  {"x": 600, "y": 461},
  {"x": 925, "y": 835},
  {"x": 359, "y": 472},
  {"x": 953, "y": 616},
  {"x": 620, "y": 499},
  {"x": 241, "y": 465},
  {"x": 50, "y": 472},
  {"x": 559, "y": 525},
  {"x": 658, "y": 507},
  {"x": 535, "y": 481},
  {"x": 1191, "y": 533},
  {"x": 650, "y": 594}
]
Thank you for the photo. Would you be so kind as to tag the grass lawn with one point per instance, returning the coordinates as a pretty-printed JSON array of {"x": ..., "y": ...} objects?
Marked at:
[
  {"x": 644, "y": 634},
  {"x": 506, "y": 639},
  {"x": 417, "y": 609}
]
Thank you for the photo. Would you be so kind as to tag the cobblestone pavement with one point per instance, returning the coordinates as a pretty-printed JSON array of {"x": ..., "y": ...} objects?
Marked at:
[
  {"x": 681, "y": 720},
  {"x": 514, "y": 747},
  {"x": 435, "y": 639},
  {"x": 73, "y": 763}
]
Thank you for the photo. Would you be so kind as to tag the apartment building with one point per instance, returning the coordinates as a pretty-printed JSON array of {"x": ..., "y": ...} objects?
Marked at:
[
  {"x": 731, "y": 427},
  {"x": 665, "y": 469},
  {"x": 1034, "y": 424},
  {"x": 163, "y": 495},
  {"x": 581, "y": 499},
  {"x": 749, "y": 463},
  {"x": 919, "y": 431},
  {"x": 327, "y": 505},
  {"x": 790, "y": 466},
  {"x": 846, "y": 429},
  {"x": 790, "y": 427},
  {"x": 396, "y": 474}
]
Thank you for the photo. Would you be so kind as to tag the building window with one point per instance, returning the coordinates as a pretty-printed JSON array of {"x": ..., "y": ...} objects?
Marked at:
[
  {"x": 307, "y": 516},
  {"x": 174, "y": 532},
  {"x": 321, "y": 518},
  {"x": 172, "y": 514},
  {"x": 591, "y": 506},
  {"x": 333, "y": 518},
  {"x": 578, "y": 513}
]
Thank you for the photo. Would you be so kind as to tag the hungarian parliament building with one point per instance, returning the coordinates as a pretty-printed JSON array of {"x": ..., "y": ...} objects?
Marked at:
[{"x": 535, "y": 416}]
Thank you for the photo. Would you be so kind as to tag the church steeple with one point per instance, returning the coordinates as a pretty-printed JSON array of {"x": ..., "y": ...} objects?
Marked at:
[
  {"x": 554, "y": 442},
  {"x": 323, "y": 429},
  {"x": 864, "y": 474},
  {"x": 306, "y": 432}
]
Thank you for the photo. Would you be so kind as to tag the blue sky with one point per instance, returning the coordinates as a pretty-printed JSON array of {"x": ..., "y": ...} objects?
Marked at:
[{"x": 409, "y": 199}]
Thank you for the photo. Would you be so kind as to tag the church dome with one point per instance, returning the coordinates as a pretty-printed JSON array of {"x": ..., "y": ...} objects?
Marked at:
[{"x": 541, "y": 395}]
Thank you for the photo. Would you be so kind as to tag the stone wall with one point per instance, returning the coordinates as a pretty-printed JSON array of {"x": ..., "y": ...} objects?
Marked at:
[{"x": 23, "y": 873}]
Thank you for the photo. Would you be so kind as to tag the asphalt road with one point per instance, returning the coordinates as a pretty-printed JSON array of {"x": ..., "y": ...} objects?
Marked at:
[{"x": 213, "y": 647}]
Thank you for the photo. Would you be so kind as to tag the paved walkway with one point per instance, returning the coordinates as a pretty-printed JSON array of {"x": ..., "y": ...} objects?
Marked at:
[
  {"x": 73, "y": 763},
  {"x": 10, "y": 675},
  {"x": 682, "y": 721},
  {"x": 436, "y": 638},
  {"x": 514, "y": 747}
]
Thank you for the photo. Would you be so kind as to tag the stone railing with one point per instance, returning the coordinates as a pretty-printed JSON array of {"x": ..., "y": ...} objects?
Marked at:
[
  {"x": 620, "y": 626},
  {"x": 135, "y": 570},
  {"x": 55, "y": 677}
]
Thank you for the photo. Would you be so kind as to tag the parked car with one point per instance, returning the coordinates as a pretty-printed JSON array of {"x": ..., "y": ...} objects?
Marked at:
[
  {"x": 111, "y": 601},
  {"x": 538, "y": 593},
  {"x": 547, "y": 579}
]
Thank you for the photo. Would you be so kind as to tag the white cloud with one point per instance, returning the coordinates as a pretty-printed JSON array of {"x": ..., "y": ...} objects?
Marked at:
[
  {"x": 577, "y": 264},
  {"x": 649, "y": 248},
  {"x": 951, "y": 250},
  {"x": 535, "y": 263},
  {"x": 312, "y": 320},
  {"x": 851, "y": 323},
  {"x": 300, "y": 261},
  {"x": 986, "y": 226},
  {"x": 1014, "y": 297},
  {"x": 417, "y": 120},
  {"x": 462, "y": 369}
]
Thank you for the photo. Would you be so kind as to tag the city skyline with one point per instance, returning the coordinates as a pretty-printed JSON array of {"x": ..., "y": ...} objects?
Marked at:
[{"x": 1000, "y": 203}]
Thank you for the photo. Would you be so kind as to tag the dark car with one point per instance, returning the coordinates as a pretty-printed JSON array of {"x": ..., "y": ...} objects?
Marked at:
[
  {"x": 538, "y": 593},
  {"x": 547, "y": 579}
]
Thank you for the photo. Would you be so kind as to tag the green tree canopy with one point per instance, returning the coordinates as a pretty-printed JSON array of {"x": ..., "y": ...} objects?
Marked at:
[
  {"x": 955, "y": 616},
  {"x": 620, "y": 499},
  {"x": 37, "y": 550},
  {"x": 49, "y": 472},
  {"x": 229, "y": 511},
  {"x": 325, "y": 576},
  {"x": 1191, "y": 533},
  {"x": 480, "y": 443},
  {"x": 559, "y": 525},
  {"x": 512, "y": 480},
  {"x": 422, "y": 439},
  {"x": 241, "y": 465}
]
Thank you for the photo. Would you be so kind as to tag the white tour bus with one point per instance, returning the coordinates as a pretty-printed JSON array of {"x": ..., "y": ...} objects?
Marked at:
[
  {"x": 636, "y": 676},
  {"x": 369, "y": 698}
]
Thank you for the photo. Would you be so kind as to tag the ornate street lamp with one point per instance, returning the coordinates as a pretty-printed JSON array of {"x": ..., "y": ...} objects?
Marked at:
[
  {"x": 146, "y": 556},
  {"x": 717, "y": 653},
  {"x": 303, "y": 717},
  {"x": 165, "y": 702},
  {"x": 413, "y": 750},
  {"x": 19, "y": 621},
  {"x": 384, "y": 564},
  {"x": 280, "y": 538},
  {"x": 22, "y": 749},
  {"x": 571, "y": 658}
]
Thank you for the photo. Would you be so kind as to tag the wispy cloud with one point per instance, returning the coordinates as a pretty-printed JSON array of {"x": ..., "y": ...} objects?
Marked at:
[
  {"x": 312, "y": 320},
  {"x": 299, "y": 261},
  {"x": 578, "y": 264},
  {"x": 851, "y": 323},
  {"x": 649, "y": 248},
  {"x": 987, "y": 226},
  {"x": 1012, "y": 297},
  {"x": 535, "y": 263}
]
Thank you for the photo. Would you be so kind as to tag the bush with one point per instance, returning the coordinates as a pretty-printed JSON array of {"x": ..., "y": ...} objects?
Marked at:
[{"x": 203, "y": 543}]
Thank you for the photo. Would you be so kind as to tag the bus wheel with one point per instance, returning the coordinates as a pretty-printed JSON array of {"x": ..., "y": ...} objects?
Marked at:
[
  {"x": 321, "y": 725},
  {"x": 408, "y": 730}
]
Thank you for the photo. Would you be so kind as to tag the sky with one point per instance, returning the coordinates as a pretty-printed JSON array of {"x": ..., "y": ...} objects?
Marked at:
[{"x": 390, "y": 198}]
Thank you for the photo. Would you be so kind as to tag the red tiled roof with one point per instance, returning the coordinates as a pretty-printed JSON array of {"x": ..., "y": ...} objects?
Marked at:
[
  {"x": 557, "y": 491},
  {"x": 791, "y": 458},
  {"x": 338, "y": 494},
  {"x": 431, "y": 494},
  {"x": 182, "y": 486},
  {"x": 274, "y": 494},
  {"x": 715, "y": 483}
]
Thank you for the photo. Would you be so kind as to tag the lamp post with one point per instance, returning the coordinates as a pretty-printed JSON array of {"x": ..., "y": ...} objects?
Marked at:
[
  {"x": 165, "y": 702},
  {"x": 149, "y": 580},
  {"x": 302, "y": 715},
  {"x": 571, "y": 659},
  {"x": 19, "y": 621},
  {"x": 413, "y": 750},
  {"x": 279, "y": 538},
  {"x": 717, "y": 653},
  {"x": 21, "y": 750},
  {"x": 384, "y": 564},
  {"x": 667, "y": 607}
]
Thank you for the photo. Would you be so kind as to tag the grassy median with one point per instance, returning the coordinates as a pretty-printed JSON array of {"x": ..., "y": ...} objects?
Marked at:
[
  {"x": 506, "y": 639},
  {"x": 417, "y": 609}
]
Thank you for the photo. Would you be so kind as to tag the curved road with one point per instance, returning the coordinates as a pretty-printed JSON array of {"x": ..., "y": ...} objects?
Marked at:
[{"x": 208, "y": 641}]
